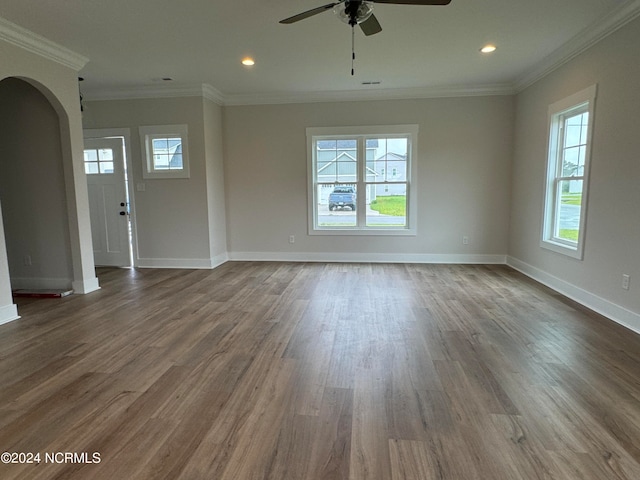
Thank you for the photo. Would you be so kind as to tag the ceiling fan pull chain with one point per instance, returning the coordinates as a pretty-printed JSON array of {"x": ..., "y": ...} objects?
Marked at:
[{"x": 353, "y": 50}]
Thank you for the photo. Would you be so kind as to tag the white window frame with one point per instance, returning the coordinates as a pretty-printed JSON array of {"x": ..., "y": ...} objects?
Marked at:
[
  {"x": 583, "y": 101},
  {"x": 147, "y": 135},
  {"x": 364, "y": 132}
]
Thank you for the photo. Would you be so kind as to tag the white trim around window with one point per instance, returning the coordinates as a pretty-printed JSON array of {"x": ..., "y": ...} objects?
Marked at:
[
  {"x": 165, "y": 151},
  {"x": 367, "y": 165},
  {"x": 567, "y": 179}
]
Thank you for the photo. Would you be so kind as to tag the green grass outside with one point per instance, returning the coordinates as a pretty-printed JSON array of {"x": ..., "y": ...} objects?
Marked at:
[
  {"x": 568, "y": 234},
  {"x": 572, "y": 198},
  {"x": 393, "y": 205}
]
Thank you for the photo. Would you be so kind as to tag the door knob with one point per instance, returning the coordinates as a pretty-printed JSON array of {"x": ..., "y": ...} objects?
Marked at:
[
  {"x": 123, "y": 213},
  {"x": 122, "y": 204}
]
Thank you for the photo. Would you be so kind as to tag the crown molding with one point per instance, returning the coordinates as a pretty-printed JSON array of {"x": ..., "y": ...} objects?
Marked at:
[
  {"x": 34, "y": 43},
  {"x": 173, "y": 91},
  {"x": 211, "y": 93},
  {"x": 588, "y": 37},
  {"x": 370, "y": 94}
]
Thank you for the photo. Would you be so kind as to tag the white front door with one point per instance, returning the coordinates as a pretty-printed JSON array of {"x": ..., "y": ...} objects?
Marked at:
[{"x": 104, "y": 166}]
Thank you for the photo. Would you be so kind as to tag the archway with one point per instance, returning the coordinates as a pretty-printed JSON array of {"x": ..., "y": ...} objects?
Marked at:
[{"x": 32, "y": 189}]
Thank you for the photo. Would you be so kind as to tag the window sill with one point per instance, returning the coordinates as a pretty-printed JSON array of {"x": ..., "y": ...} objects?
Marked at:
[
  {"x": 563, "y": 249},
  {"x": 406, "y": 232}
]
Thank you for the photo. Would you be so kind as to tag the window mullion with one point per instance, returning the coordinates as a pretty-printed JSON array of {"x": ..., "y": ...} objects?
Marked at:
[{"x": 361, "y": 192}]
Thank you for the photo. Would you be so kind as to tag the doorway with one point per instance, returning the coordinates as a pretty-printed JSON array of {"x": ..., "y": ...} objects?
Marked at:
[{"x": 111, "y": 208}]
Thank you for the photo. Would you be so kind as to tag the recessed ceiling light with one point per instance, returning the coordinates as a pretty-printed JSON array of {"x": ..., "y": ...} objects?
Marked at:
[
  {"x": 248, "y": 61},
  {"x": 489, "y": 48}
]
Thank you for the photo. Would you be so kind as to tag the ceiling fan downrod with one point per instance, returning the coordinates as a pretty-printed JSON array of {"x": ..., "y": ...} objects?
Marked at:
[{"x": 353, "y": 48}]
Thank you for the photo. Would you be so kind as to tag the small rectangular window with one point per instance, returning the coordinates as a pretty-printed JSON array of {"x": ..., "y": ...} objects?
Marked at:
[
  {"x": 165, "y": 151},
  {"x": 570, "y": 127}
]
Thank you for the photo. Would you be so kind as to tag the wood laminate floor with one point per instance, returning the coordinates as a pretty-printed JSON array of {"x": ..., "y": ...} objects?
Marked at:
[{"x": 319, "y": 371}]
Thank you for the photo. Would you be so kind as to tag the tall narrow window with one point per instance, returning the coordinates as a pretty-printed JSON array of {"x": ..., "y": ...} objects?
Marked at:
[
  {"x": 570, "y": 127},
  {"x": 362, "y": 180}
]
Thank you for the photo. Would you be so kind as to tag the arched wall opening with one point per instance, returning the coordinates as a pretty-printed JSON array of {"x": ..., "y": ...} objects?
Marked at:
[{"x": 33, "y": 194}]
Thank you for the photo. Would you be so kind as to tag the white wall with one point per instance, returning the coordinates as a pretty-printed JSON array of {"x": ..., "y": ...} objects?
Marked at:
[
  {"x": 32, "y": 189},
  {"x": 214, "y": 153},
  {"x": 172, "y": 215},
  {"x": 465, "y": 148},
  {"x": 612, "y": 245}
]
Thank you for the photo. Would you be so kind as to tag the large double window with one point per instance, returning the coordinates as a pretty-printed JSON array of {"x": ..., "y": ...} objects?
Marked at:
[
  {"x": 570, "y": 126},
  {"x": 362, "y": 180}
]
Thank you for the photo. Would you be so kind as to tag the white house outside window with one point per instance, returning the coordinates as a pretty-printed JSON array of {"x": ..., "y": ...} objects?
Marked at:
[
  {"x": 570, "y": 128},
  {"x": 362, "y": 180}
]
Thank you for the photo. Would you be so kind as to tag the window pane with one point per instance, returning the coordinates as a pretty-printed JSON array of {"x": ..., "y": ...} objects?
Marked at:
[
  {"x": 174, "y": 142},
  {"x": 387, "y": 205},
  {"x": 337, "y": 205},
  {"x": 90, "y": 156},
  {"x": 397, "y": 171},
  {"x": 571, "y": 161},
  {"x": 573, "y": 135},
  {"x": 574, "y": 146},
  {"x": 91, "y": 168},
  {"x": 336, "y": 160},
  {"x": 160, "y": 145},
  {"x": 161, "y": 162},
  {"x": 389, "y": 158},
  {"x": 568, "y": 210},
  {"x": 167, "y": 153},
  {"x": 105, "y": 154},
  {"x": 106, "y": 167},
  {"x": 176, "y": 162}
]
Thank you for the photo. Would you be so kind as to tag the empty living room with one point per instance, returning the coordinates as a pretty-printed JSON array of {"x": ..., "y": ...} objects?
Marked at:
[{"x": 386, "y": 239}]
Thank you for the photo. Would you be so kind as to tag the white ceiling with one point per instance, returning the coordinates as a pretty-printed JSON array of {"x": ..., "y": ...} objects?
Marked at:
[{"x": 132, "y": 44}]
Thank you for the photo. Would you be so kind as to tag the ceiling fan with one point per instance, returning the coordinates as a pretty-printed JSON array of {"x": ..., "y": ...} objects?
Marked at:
[{"x": 359, "y": 12}]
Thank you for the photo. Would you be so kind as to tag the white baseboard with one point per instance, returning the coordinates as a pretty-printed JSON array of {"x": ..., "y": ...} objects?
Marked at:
[
  {"x": 195, "y": 263},
  {"x": 612, "y": 311},
  {"x": 367, "y": 257},
  {"x": 8, "y": 313},
  {"x": 85, "y": 286}
]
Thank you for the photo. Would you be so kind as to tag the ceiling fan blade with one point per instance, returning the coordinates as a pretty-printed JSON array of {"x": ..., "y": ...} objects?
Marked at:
[
  {"x": 309, "y": 13},
  {"x": 371, "y": 26},
  {"x": 414, "y": 2}
]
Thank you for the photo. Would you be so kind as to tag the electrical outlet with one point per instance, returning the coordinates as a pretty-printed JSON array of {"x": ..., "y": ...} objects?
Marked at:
[
  {"x": 625, "y": 281},
  {"x": 465, "y": 240},
  {"x": 292, "y": 239},
  {"x": 27, "y": 260}
]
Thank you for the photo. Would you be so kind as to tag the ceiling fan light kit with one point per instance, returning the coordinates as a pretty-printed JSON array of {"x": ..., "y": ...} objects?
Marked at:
[{"x": 354, "y": 12}]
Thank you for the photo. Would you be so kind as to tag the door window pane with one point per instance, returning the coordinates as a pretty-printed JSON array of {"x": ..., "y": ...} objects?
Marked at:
[{"x": 98, "y": 162}]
